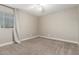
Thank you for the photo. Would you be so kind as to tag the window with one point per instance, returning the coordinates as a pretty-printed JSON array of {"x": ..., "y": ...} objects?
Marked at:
[{"x": 6, "y": 20}]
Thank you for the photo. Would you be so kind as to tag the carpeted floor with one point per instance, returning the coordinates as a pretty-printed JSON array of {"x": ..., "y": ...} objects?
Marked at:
[{"x": 40, "y": 46}]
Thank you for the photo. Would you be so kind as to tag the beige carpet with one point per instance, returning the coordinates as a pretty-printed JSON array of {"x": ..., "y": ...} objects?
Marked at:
[{"x": 40, "y": 46}]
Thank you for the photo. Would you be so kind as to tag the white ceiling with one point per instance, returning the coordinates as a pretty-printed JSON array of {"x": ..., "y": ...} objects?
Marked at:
[{"x": 34, "y": 9}]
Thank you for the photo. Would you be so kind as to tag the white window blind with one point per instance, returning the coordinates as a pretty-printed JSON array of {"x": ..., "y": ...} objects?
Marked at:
[{"x": 6, "y": 20}]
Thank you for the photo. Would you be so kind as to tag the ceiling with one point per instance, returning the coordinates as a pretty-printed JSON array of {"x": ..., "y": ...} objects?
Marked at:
[{"x": 40, "y": 10}]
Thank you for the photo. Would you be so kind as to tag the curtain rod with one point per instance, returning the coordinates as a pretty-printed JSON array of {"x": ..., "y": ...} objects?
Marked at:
[{"x": 7, "y": 6}]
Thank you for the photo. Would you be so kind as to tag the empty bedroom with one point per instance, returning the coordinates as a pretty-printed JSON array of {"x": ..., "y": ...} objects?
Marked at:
[{"x": 39, "y": 29}]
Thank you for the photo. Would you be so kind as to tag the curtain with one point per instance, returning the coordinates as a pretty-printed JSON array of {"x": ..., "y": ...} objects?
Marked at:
[{"x": 15, "y": 30}]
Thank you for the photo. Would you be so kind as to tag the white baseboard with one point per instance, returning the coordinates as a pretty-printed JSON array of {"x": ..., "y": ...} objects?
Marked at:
[
  {"x": 60, "y": 39},
  {"x": 30, "y": 38},
  {"x": 7, "y": 43}
]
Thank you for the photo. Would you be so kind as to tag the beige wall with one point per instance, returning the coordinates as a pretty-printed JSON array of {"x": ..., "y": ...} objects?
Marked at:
[
  {"x": 5, "y": 35},
  {"x": 63, "y": 25},
  {"x": 26, "y": 24}
]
